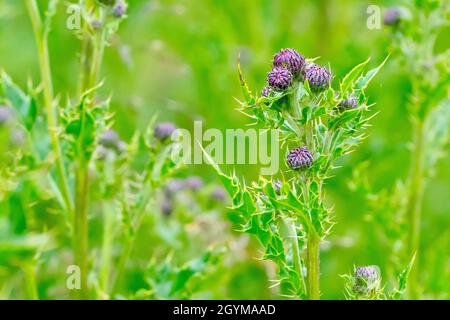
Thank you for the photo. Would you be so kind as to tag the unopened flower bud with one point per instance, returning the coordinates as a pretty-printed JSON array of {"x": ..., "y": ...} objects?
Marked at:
[
  {"x": 318, "y": 78},
  {"x": 5, "y": 115},
  {"x": 348, "y": 104},
  {"x": 219, "y": 194},
  {"x": 299, "y": 158},
  {"x": 277, "y": 184},
  {"x": 167, "y": 206},
  {"x": 194, "y": 183},
  {"x": 366, "y": 280},
  {"x": 109, "y": 139},
  {"x": 392, "y": 16},
  {"x": 266, "y": 91},
  {"x": 291, "y": 60},
  {"x": 279, "y": 78},
  {"x": 164, "y": 130},
  {"x": 119, "y": 10}
]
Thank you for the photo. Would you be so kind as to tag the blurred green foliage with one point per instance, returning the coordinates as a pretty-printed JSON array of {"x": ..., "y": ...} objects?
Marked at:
[{"x": 178, "y": 59}]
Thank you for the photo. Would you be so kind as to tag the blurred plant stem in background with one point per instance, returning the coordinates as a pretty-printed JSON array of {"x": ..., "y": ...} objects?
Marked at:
[
  {"x": 41, "y": 36},
  {"x": 91, "y": 59},
  {"x": 414, "y": 202}
]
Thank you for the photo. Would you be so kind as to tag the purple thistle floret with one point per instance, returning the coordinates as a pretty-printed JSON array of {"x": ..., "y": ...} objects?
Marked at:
[
  {"x": 299, "y": 158},
  {"x": 109, "y": 139},
  {"x": 164, "y": 130},
  {"x": 266, "y": 91},
  {"x": 5, "y": 115},
  {"x": 392, "y": 16},
  {"x": 318, "y": 78},
  {"x": 194, "y": 183},
  {"x": 348, "y": 104},
  {"x": 291, "y": 60},
  {"x": 279, "y": 78}
]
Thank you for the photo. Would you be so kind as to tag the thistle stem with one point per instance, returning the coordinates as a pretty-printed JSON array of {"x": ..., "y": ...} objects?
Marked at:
[
  {"x": 52, "y": 120},
  {"x": 92, "y": 55},
  {"x": 30, "y": 282},
  {"x": 296, "y": 254},
  {"x": 313, "y": 267},
  {"x": 414, "y": 204}
]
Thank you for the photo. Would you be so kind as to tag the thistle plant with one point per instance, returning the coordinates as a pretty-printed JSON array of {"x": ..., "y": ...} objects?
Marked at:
[
  {"x": 414, "y": 29},
  {"x": 289, "y": 214}
]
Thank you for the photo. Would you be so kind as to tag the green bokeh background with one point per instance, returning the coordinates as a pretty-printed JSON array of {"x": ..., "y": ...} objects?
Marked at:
[{"x": 178, "y": 59}]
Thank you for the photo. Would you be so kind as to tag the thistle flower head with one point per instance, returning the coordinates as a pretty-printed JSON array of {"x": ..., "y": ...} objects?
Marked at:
[
  {"x": 5, "y": 115},
  {"x": 291, "y": 60},
  {"x": 348, "y": 104},
  {"x": 299, "y": 158},
  {"x": 279, "y": 78},
  {"x": 319, "y": 78},
  {"x": 164, "y": 130},
  {"x": 266, "y": 91},
  {"x": 366, "y": 280},
  {"x": 392, "y": 16},
  {"x": 194, "y": 183},
  {"x": 109, "y": 139}
]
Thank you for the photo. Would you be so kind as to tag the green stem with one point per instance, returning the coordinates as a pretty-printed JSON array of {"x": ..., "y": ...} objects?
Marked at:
[
  {"x": 108, "y": 216},
  {"x": 313, "y": 267},
  {"x": 129, "y": 243},
  {"x": 52, "y": 120},
  {"x": 92, "y": 55},
  {"x": 30, "y": 282},
  {"x": 296, "y": 254},
  {"x": 414, "y": 204}
]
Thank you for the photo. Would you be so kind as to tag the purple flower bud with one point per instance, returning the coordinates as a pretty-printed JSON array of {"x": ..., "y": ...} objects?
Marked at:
[
  {"x": 392, "y": 16},
  {"x": 277, "y": 184},
  {"x": 318, "y": 78},
  {"x": 174, "y": 186},
  {"x": 219, "y": 194},
  {"x": 109, "y": 139},
  {"x": 348, "y": 104},
  {"x": 194, "y": 183},
  {"x": 96, "y": 24},
  {"x": 291, "y": 60},
  {"x": 366, "y": 279},
  {"x": 299, "y": 158},
  {"x": 5, "y": 115},
  {"x": 279, "y": 78},
  {"x": 266, "y": 91},
  {"x": 167, "y": 206},
  {"x": 164, "y": 130},
  {"x": 119, "y": 10}
]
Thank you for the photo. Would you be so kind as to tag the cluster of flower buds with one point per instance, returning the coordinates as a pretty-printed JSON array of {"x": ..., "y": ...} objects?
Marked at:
[{"x": 290, "y": 66}]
